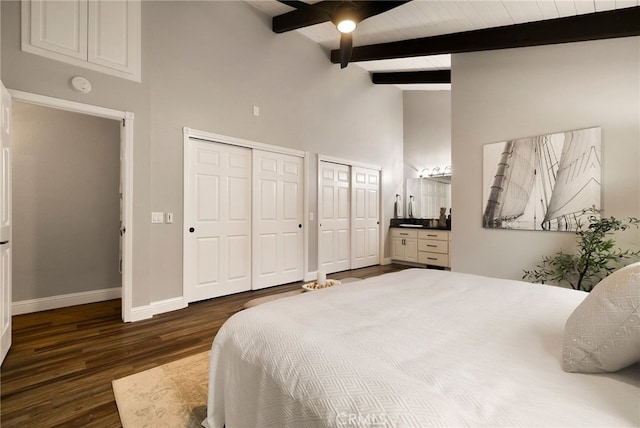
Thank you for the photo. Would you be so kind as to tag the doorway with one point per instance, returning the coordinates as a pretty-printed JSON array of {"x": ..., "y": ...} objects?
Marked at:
[{"x": 77, "y": 229}]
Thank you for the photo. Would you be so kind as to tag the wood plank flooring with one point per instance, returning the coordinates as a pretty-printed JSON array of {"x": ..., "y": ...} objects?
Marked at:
[{"x": 59, "y": 369}]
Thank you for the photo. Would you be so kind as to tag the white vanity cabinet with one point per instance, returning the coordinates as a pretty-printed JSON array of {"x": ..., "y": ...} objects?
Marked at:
[
  {"x": 422, "y": 246},
  {"x": 404, "y": 245},
  {"x": 101, "y": 35},
  {"x": 433, "y": 247}
]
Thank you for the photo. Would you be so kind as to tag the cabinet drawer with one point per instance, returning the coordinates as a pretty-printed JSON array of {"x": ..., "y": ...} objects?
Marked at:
[
  {"x": 439, "y": 235},
  {"x": 403, "y": 233},
  {"x": 433, "y": 246},
  {"x": 434, "y": 259}
]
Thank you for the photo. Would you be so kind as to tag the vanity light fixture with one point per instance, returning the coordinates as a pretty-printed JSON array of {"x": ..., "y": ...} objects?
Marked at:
[{"x": 436, "y": 172}]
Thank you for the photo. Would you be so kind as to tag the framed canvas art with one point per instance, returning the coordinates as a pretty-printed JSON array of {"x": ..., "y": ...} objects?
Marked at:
[{"x": 546, "y": 182}]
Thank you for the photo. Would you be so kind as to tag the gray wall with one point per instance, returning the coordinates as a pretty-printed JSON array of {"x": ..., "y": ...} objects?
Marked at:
[
  {"x": 427, "y": 131},
  {"x": 205, "y": 64},
  {"x": 525, "y": 92},
  {"x": 65, "y": 202}
]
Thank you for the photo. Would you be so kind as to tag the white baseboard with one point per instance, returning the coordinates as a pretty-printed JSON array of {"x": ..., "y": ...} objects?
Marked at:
[
  {"x": 140, "y": 313},
  {"x": 64, "y": 300}
]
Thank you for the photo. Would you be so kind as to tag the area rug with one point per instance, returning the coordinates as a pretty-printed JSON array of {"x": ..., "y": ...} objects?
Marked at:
[{"x": 173, "y": 395}]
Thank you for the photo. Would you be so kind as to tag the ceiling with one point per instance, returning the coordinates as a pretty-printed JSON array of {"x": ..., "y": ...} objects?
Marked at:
[{"x": 428, "y": 18}]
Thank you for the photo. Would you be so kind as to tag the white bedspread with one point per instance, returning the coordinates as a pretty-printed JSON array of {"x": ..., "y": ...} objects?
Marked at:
[{"x": 414, "y": 348}]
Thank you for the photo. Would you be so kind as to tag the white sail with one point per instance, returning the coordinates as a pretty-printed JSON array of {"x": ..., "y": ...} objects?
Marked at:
[{"x": 577, "y": 183}]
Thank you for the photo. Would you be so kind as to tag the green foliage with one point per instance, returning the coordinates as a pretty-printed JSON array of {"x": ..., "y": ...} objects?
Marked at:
[{"x": 595, "y": 259}]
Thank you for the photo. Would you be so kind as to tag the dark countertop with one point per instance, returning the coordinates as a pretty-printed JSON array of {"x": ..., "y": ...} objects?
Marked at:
[{"x": 418, "y": 223}]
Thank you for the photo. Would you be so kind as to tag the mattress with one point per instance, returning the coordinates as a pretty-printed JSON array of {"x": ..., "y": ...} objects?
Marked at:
[{"x": 414, "y": 348}]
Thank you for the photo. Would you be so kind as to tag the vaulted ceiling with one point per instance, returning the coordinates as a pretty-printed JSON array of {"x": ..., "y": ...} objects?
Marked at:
[{"x": 418, "y": 36}]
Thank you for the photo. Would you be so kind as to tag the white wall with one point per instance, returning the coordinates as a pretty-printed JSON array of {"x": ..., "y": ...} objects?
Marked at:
[
  {"x": 204, "y": 66},
  {"x": 66, "y": 175},
  {"x": 525, "y": 92},
  {"x": 427, "y": 131}
]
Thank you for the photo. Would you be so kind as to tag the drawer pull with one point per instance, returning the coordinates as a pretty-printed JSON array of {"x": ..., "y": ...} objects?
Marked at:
[
  {"x": 432, "y": 236},
  {"x": 431, "y": 258},
  {"x": 404, "y": 234},
  {"x": 434, "y": 246}
]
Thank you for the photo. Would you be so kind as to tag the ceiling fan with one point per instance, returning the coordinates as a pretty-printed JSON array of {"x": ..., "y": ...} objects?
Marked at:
[{"x": 345, "y": 15}]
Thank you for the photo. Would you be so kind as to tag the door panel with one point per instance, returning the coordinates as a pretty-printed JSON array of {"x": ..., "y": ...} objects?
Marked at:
[
  {"x": 218, "y": 208},
  {"x": 366, "y": 221},
  {"x": 277, "y": 219},
  {"x": 5, "y": 223},
  {"x": 334, "y": 253}
]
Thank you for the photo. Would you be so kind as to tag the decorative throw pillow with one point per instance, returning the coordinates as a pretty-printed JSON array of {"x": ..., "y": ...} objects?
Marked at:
[{"x": 603, "y": 332}]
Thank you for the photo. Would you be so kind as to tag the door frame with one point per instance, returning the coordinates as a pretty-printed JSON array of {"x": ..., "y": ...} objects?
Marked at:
[
  {"x": 187, "y": 134},
  {"x": 349, "y": 163},
  {"x": 126, "y": 143}
]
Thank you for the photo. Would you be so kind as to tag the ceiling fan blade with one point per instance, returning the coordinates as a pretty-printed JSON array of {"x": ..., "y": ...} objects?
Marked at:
[{"x": 346, "y": 47}]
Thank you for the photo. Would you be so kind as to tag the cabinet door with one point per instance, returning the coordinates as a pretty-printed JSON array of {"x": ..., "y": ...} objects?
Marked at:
[
  {"x": 56, "y": 26},
  {"x": 397, "y": 249},
  {"x": 411, "y": 250},
  {"x": 114, "y": 36}
]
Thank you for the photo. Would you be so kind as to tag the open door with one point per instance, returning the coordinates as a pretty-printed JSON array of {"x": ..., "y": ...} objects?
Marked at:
[{"x": 5, "y": 223}]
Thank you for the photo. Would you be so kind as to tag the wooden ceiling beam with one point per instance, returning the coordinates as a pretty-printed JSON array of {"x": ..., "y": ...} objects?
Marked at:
[
  {"x": 411, "y": 77},
  {"x": 306, "y": 15},
  {"x": 594, "y": 26}
]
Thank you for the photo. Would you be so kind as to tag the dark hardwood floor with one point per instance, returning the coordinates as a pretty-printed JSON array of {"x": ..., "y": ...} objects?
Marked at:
[{"x": 59, "y": 369}]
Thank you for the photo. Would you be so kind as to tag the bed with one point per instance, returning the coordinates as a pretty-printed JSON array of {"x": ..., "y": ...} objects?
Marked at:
[{"x": 413, "y": 348}]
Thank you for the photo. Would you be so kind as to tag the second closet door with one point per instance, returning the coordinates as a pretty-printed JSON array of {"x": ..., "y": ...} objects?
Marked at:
[
  {"x": 334, "y": 210},
  {"x": 277, "y": 219}
]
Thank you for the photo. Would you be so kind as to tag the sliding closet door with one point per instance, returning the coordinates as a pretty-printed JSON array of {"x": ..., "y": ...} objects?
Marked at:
[
  {"x": 334, "y": 236},
  {"x": 277, "y": 219},
  {"x": 5, "y": 222},
  {"x": 365, "y": 224},
  {"x": 217, "y": 259}
]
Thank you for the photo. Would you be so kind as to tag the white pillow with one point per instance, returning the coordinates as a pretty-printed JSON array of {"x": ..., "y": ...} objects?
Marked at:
[{"x": 603, "y": 332}]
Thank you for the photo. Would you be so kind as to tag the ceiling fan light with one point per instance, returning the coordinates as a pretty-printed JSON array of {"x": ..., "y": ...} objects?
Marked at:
[{"x": 346, "y": 25}]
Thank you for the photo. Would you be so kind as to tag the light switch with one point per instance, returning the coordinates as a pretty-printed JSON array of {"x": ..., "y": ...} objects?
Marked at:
[
  {"x": 169, "y": 218},
  {"x": 157, "y": 217}
]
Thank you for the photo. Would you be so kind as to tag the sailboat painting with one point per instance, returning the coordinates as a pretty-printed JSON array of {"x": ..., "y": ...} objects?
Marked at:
[{"x": 546, "y": 182}]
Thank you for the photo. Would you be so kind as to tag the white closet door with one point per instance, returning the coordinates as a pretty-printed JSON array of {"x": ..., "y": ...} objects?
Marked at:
[
  {"x": 334, "y": 235},
  {"x": 217, "y": 258},
  {"x": 277, "y": 216},
  {"x": 365, "y": 224},
  {"x": 5, "y": 223}
]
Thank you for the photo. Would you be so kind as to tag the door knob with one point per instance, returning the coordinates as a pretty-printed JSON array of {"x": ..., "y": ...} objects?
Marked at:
[
  {"x": 192, "y": 229},
  {"x": 300, "y": 226},
  {"x": 4, "y": 242}
]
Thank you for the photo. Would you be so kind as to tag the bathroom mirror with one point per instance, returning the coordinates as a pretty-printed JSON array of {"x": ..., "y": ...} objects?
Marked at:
[{"x": 426, "y": 195}]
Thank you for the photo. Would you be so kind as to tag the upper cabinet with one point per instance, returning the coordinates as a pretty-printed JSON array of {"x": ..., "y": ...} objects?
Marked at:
[{"x": 102, "y": 35}]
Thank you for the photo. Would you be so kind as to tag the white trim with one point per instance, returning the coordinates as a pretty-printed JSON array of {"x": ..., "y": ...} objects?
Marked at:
[
  {"x": 385, "y": 261},
  {"x": 140, "y": 313},
  {"x": 305, "y": 210},
  {"x": 43, "y": 100},
  {"x": 348, "y": 162},
  {"x": 72, "y": 106},
  {"x": 65, "y": 300},
  {"x": 186, "y": 201},
  {"x": 311, "y": 276},
  {"x": 218, "y": 138}
]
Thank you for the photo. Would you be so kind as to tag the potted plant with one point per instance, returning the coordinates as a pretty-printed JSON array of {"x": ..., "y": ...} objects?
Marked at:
[{"x": 596, "y": 255}]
